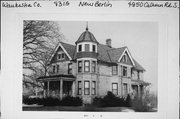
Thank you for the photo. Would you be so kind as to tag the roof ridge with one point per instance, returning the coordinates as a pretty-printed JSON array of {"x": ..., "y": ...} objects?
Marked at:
[
  {"x": 117, "y": 48},
  {"x": 67, "y": 43}
]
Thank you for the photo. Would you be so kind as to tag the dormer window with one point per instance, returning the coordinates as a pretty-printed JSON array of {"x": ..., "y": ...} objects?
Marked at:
[
  {"x": 79, "y": 48},
  {"x": 60, "y": 56},
  {"x": 94, "y": 48},
  {"x": 86, "y": 47}
]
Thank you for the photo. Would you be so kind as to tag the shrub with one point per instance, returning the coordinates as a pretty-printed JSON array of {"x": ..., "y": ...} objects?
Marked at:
[
  {"x": 110, "y": 100},
  {"x": 139, "y": 105},
  {"x": 49, "y": 101},
  {"x": 30, "y": 101},
  {"x": 145, "y": 103},
  {"x": 71, "y": 101}
]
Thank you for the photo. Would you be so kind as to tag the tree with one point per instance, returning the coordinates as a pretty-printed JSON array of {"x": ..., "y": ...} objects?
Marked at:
[{"x": 39, "y": 40}]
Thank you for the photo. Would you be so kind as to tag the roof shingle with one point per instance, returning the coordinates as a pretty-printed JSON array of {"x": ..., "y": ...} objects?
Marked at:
[{"x": 105, "y": 54}]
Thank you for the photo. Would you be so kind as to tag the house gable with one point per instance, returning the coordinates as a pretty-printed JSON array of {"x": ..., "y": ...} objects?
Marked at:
[
  {"x": 59, "y": 50},
  {"x": 129, "y": 60}
]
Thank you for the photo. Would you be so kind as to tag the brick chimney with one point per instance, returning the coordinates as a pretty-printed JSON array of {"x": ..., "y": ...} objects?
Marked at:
[{"x": 108, "y": 42}]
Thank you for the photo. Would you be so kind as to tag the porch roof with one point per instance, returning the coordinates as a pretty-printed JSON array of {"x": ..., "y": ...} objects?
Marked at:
[
  {"x": 56, "y": 77},
  {"x": 139, "y": 82}
]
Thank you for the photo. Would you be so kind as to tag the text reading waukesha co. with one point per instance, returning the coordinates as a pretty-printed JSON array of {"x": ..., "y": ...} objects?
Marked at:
[{"x": 20, "y": 4}]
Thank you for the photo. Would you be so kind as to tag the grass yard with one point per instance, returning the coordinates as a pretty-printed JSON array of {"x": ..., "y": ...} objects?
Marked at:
[{"x": 79, "y": 108}]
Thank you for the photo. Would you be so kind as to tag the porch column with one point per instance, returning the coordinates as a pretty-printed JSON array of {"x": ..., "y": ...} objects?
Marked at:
[
  {"x": 48, "y": 88},
  {"x": 73, "y": 89},
  {"x": 139, "y": 91},
  {"x": 44, "y": 90},
  {"x": 61, "y": 88}
]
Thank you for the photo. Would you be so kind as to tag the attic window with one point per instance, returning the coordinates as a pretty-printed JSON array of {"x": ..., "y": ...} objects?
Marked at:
[
  {"x": 60, "y": 56},
  {"x": 124, "y": 58}
]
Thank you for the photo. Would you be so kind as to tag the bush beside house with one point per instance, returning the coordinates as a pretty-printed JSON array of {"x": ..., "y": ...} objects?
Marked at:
[{"x": 110, "y": 100}]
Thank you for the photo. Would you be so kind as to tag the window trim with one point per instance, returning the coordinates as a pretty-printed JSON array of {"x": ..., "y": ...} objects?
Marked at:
[
  {"x": 115, "y": 89},
  {"x": 80, "y": 48},
  {"x": 93, "y": 88},
  {"x": 60, "y": 56},
  {"x": 93, "y": 67},
  {"x": 93, "y": 48},
  {"x": 57, "y": 68},
  {"x": 125, "y": 84},
  {"x": 80, "y": 67},
  {"x": 115, "y": 72},
  {"x": 86, "y": 47},
  {"x": 86, "y": 66},
  {"x": 87, "y": 88},
  {"x": 54, "y": 69},
  {"x": 79, "y": 88},
  {"x": 123, "y": 71},
  {"x": 69, "y": 69}
]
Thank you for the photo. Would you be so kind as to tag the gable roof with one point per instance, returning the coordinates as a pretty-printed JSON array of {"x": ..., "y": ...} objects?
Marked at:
[
  {"x": 105, "y": 54},
  {"x": 116, "y": 53}
]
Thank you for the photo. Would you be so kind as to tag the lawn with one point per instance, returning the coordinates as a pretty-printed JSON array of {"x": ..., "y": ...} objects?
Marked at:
[{"x": 79, "y": 108}]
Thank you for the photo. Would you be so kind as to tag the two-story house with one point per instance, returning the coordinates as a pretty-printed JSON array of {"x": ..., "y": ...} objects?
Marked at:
[{"x": 88, "y": 69}]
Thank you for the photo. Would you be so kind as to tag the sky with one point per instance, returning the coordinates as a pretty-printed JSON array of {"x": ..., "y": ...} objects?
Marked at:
[{"x": 141, "y": 38}]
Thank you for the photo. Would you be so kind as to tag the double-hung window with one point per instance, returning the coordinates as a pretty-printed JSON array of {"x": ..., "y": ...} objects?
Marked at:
[
  {"x": 124, "y": 70},
  {"x": 94, "y": 48},
  {"x": 79, "y": 48},
  {"x": 79, "y": 66},
  {"x": 115, "y": 88},
  {"x": 93, "y": 87},
  {"x": 54, "y": 69},
  {"x": 93, "y": 66},
  {"x": 70, "y": 68},
  {"x": 86, "y": 88},
  {"x": 125, "y": 86},
  {"x": 79, "y": 87},
  {"x": 86, "y": 66},
  {"x": 114, "y": 70},
  {"x": 57, "y": 68}
]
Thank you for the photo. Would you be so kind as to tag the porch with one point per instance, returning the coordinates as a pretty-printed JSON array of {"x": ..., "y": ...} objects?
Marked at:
[
  {"x": 138, "y": 87},
  {"x": 58, "y": 86}
]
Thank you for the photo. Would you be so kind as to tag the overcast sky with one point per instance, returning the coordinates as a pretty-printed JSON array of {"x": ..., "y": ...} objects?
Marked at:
[{"x": 141, "y": 38}]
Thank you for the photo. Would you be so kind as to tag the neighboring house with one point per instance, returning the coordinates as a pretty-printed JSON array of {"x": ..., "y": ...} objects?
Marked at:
[{"x": 90, "y": 69}]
